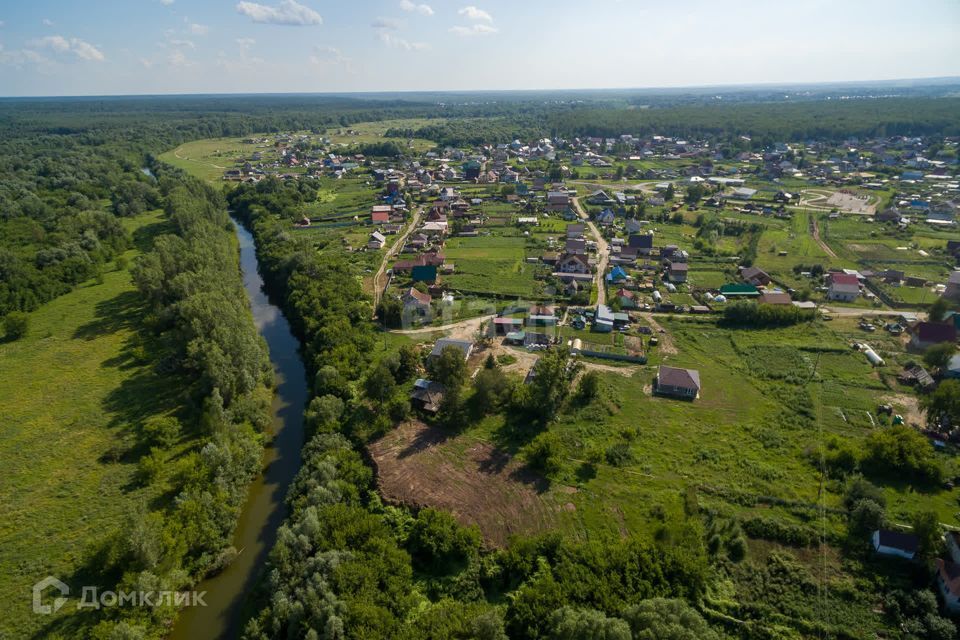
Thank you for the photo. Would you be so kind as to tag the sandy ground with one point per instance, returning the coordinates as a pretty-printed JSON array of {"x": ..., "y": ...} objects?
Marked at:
[
  {"x": 907, "y": 406},
  {"x": 422, "y": 466}
]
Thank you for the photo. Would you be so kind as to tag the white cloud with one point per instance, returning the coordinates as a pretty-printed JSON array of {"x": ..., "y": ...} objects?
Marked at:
[
  {"x": 47, "y": 22},
  {"x": 385, "y": 23},
  {"x": 21, "y": 57},
  {"x": 478, "y": 29},
  {"x": 86, "y": 50},
  {"x": 288, "y": 12},
  {"x": 59, "y": 44},
  {"x": 166, "y": 3},
  {"x": 329, "y": 55},
  {"x": 399, "y": 43},
  {"x": 422, "y": 9},
  {"x": 198, "y": 29},
  {"x": 473, "y": 13},
  {"x": 56, "y": 43},
  {"x": 178, "y": 59},
  {"x": 246, "y": 43},
  {"x": 183, "y": 44}
]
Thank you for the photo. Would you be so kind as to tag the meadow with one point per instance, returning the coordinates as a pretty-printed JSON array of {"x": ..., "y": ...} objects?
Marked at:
[
  {"x": 209, "y": 158},
  {"x": 77, "y": 387},
  {"x": 746, "y": 452}
]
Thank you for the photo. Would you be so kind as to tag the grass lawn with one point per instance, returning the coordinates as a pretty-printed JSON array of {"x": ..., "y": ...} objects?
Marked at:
[{"x": 74, "y": 389}]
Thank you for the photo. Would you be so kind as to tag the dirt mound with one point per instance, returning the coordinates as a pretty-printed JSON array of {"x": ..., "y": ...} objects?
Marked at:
[{"x": 421, "y": 466}]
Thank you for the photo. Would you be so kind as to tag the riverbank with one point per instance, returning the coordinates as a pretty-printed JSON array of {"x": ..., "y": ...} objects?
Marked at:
[{"x": 264, "y": 509}]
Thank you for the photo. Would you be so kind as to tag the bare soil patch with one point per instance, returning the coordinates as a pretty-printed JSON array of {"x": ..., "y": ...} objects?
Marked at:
[{"x": 421, "y": 466}]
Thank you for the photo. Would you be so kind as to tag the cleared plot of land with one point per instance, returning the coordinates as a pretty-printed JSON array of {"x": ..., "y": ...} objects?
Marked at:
[
  {"x": 73, "y": 391},
  {"x": 491, "y": 264},
  {"x": 420, "y": 466},
  {"x": 847, "y": 202}
]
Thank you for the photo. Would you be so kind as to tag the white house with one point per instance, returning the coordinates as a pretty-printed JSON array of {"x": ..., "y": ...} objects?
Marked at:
[
  {"x": 843, "y": 287},
  {"x": 376, "y": 241}
]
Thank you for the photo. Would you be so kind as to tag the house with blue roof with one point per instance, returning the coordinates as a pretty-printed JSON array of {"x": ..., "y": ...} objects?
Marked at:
[{"x": 617, "y": 274}]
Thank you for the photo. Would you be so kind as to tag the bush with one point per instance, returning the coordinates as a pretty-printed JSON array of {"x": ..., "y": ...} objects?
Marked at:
[
  {"x": 15, "y": 325},
  {"x": 544, "y": 454},
  {"x": 619, "y": 455},
  {"x": 439, "y": 543},
  {"x": 750, "y": 314},
  {"x": 162, "y": 431},
  {"x": 903, "y": 453}
]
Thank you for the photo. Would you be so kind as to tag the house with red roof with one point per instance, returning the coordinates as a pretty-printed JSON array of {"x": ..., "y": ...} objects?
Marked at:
[
  {"x": 380, "y": 213},
  {"x": 843, "y": 287}
]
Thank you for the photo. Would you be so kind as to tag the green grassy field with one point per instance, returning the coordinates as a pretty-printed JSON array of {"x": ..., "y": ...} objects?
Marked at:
[
  {"x": 207, "y": 159},
  {"x": 367, "y": 132},
  {"x": 744, "y": 447},
  {"x": 492, "y": 264},
  {"x": 74, "y": 390}
]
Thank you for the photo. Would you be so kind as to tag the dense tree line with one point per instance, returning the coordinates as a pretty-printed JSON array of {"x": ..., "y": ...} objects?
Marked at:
[
  {"x": 199, "y": 316},
  {"x": 834, "y": 120}
]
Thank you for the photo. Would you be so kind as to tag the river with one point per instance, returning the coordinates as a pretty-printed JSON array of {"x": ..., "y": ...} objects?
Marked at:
[{"x": 264, "y": 510}]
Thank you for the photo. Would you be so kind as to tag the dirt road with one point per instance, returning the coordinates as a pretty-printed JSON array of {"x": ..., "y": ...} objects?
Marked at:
[
  {"x": 815, "y": 232},
  {"x": 665, "y": 342},
  {"x": 603, "y": 252},
  {"x": 379, "y": 282},
  {"x": 462, "y": 330}
]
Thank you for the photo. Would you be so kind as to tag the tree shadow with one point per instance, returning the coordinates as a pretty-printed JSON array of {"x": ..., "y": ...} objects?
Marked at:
[
  {"x": 143, "y": 237},
  {"x": 526, "y": 475},
  {"x": 428, "y": 436},
  {"x": 122, "y": 311}
]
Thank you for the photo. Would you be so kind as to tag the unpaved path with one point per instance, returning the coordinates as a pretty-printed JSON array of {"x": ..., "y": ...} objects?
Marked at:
[
  {"x": 176, "y": 152},
  {"x": 391, "y": 252},
  {"x": 664, "y": 340},
  {"x": 815, "y": 232},
  {"x": 462, "y": 330},
  {"x": 603, "y": 252}
]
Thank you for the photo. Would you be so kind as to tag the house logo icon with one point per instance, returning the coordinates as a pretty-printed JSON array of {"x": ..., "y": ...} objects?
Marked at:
[{"x": 40, "y": 587}]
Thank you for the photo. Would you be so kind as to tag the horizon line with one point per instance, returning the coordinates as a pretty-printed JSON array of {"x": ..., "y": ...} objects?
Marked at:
[{"x": 921, "y": 81}]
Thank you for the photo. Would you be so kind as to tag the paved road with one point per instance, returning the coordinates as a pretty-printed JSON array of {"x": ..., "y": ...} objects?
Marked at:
[
  {"x": 391, "y": 252},
  {"x": 603, "y": 252}
]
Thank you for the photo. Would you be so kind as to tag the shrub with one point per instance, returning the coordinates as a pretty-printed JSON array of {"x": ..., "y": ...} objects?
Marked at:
[
  {"x": 619, "y": 455},
  {"x": 15, "y": 325}
]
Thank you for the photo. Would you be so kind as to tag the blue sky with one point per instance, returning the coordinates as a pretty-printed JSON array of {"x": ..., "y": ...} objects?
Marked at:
[{"x": 50, "y": 47}]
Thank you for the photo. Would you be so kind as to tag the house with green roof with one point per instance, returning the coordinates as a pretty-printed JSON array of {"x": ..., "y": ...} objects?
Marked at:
[{"x": 739, "y": 290}]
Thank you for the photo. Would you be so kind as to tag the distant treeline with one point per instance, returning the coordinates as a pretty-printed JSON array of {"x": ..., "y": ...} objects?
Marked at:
[{"x": 825, "y": 120}]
